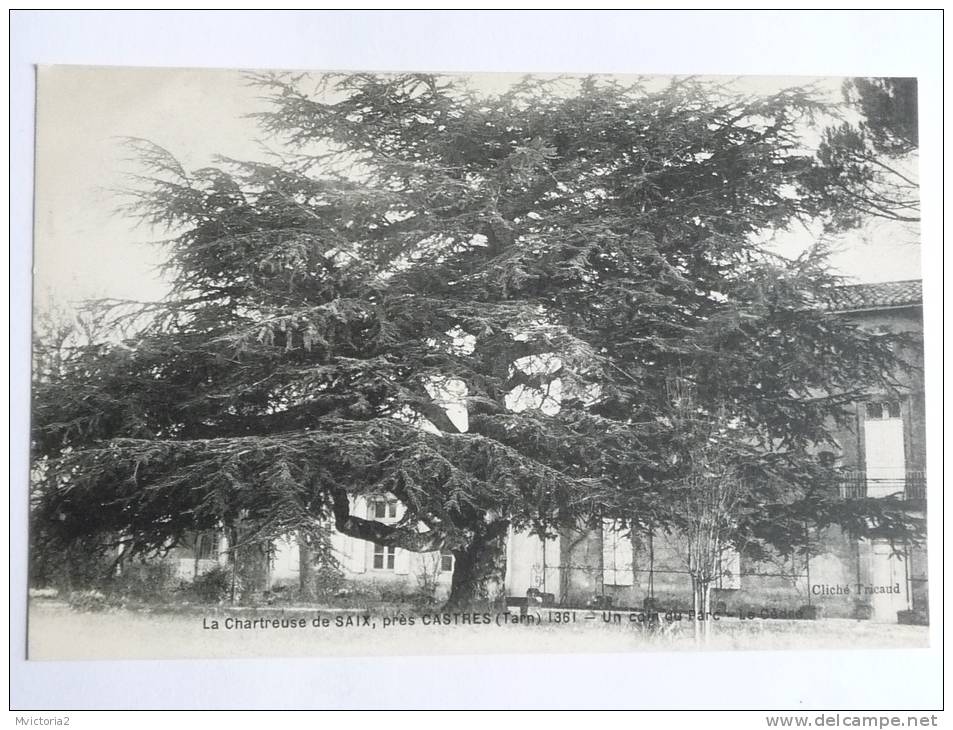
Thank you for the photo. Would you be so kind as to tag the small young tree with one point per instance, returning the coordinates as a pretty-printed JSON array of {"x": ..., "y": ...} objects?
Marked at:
[
  {"x": 712, "y": 494},
  {"x": 708, "y": 494}
]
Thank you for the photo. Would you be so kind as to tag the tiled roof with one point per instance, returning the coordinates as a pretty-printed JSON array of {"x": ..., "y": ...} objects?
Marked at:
[{"x": 877, "y": 296}]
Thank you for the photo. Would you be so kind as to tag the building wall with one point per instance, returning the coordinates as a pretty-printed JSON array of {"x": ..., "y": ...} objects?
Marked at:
[
  {"x": 202, "y": 552},
  {"x": 878, "y": 562},
  {"x": 401, "y": 570},
  {"x": 911, "y": 395}
]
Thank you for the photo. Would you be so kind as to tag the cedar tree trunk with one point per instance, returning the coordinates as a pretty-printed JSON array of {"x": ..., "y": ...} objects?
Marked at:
[
  {"x": 478, "y": 565},
  {"x": 305, "y": 568}
]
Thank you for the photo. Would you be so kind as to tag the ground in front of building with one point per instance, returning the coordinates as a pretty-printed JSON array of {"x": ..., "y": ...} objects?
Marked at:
[{"x": 59, "y": 632}]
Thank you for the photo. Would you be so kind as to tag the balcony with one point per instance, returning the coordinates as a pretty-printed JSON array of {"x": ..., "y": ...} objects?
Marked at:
[{"x": 912, "y": 486}]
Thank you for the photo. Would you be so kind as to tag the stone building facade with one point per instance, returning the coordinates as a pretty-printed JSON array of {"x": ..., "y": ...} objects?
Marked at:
[{"x": 359, "y": 561}]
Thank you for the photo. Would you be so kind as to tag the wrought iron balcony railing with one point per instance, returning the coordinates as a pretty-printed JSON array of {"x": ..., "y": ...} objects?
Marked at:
[{"x": 912, "y": 486}]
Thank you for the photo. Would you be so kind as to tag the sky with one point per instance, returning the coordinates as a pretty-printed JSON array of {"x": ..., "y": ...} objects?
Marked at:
[{"x": 83, "y": 249}]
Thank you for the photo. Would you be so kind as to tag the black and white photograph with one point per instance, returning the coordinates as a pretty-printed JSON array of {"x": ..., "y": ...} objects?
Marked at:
[
  {"x": 352, "y": 364},
  {"x": 475, "y": 363}
]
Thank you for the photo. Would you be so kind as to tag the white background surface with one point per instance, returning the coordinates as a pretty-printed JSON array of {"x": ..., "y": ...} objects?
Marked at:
[{"x": 810, "y": 43}]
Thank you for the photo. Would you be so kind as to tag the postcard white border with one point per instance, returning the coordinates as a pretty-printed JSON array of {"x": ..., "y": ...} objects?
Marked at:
[{"x": 888, "y": 43}]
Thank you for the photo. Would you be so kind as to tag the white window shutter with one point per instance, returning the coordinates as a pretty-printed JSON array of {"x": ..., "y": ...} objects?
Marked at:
[
  {"x": 884, "y": 457},
  {"x": 343, "y": 547},
  {"x": 616, "y": 555},
  {"x": 623, "y": 559},
  {"x": 608, "y": 553},
  {"x": 730, "y": 569},
  {"x": 401, "y": 561},
  {"x": 358, "y": 555}
]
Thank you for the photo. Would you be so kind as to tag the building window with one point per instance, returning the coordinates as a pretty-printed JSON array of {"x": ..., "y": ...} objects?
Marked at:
[
  {"x": 206, "y": 547},
  {"x": 384, "y": 557},
  {"x": 446, "y": 561},
  {"x": 883, "y": 410},
  {"x": 384, "y": 509}
]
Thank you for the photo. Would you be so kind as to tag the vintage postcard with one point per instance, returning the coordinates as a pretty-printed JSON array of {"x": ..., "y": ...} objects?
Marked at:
[{"x": 378, "y": 363}]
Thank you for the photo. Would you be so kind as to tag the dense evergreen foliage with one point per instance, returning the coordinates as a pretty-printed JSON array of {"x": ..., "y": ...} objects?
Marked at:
[
  {"x": 554, "y": 257},
  {"x": 869, "y": 167}
]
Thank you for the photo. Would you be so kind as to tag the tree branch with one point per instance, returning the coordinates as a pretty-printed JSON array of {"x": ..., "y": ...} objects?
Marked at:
[{"x": 377, "y": 532}]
